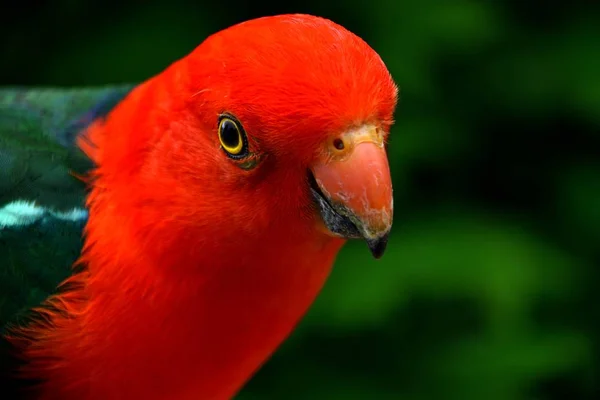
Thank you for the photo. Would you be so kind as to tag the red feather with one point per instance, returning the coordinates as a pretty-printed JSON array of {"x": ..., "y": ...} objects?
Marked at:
[{"x": 196, "y": 270}]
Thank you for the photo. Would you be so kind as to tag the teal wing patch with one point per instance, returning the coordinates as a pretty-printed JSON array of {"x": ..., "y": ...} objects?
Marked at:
[{"x": 42, "y": 210}]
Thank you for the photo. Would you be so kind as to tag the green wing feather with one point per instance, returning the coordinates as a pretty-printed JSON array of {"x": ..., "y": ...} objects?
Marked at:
[
  {"x": 37, "y": 133},
  {"x": 41, "y": 203}
]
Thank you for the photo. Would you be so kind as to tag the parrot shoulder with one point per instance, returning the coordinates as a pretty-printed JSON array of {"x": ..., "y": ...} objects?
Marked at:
[{"x": 42, "y": 210}]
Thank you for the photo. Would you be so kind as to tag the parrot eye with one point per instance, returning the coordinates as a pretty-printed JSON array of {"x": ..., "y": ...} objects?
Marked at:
[{"x": 232, "y": 137}]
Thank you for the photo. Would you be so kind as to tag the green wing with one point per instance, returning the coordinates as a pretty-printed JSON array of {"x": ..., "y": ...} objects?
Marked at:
[{"x": 42, "y": 210}]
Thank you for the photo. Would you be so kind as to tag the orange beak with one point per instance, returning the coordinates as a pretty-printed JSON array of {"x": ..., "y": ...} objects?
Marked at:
[{"x": 353, "y": 188}]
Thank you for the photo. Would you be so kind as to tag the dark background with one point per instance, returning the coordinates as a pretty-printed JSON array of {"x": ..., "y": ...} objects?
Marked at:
[{"x": 489, "y": 287}]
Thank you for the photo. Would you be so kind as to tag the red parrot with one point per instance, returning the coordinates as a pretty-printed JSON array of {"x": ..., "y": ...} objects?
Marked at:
[{"x": 222, "y": 190}]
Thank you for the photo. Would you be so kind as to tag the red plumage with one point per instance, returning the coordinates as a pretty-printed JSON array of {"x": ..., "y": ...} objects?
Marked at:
[{"x": 196, "y": 269}]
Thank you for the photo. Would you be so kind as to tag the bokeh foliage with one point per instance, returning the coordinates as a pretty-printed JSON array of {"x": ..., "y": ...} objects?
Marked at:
[{"x": 488, "y": 290}]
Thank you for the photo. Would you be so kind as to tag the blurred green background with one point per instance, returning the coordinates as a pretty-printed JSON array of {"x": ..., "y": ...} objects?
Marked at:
[{"x": 488, "y": 290}]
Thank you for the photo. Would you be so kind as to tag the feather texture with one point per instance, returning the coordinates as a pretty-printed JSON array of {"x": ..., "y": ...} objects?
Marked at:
[
  {"x": 194, "y": 270},
  {"x": 42, "y": 208}
]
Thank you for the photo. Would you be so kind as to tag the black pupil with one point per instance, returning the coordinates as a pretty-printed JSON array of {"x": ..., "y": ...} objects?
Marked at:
[{"x": 229, "y": 134}]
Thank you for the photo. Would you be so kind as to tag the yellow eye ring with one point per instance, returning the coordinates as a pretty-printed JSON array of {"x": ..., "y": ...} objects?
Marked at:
[{"x": 232, "y": 137}]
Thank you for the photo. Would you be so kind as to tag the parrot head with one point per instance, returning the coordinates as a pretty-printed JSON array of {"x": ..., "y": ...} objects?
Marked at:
[
  {"x": 307, "y": 105},
  {"x": 272, "y": 129}
]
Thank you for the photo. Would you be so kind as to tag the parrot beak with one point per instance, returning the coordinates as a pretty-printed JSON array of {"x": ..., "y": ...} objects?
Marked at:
[{"x": 352, "y": 187}]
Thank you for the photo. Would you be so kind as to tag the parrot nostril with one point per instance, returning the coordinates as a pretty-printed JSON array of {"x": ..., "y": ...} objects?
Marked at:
[{"x": 338, "y": 144}]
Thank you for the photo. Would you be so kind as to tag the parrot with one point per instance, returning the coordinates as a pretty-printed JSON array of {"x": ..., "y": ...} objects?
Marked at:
[{"x": 160, "y": 240}]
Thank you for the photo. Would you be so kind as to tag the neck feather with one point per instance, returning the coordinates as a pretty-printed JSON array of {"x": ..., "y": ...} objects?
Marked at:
[{"x": 126, "y": 321}]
